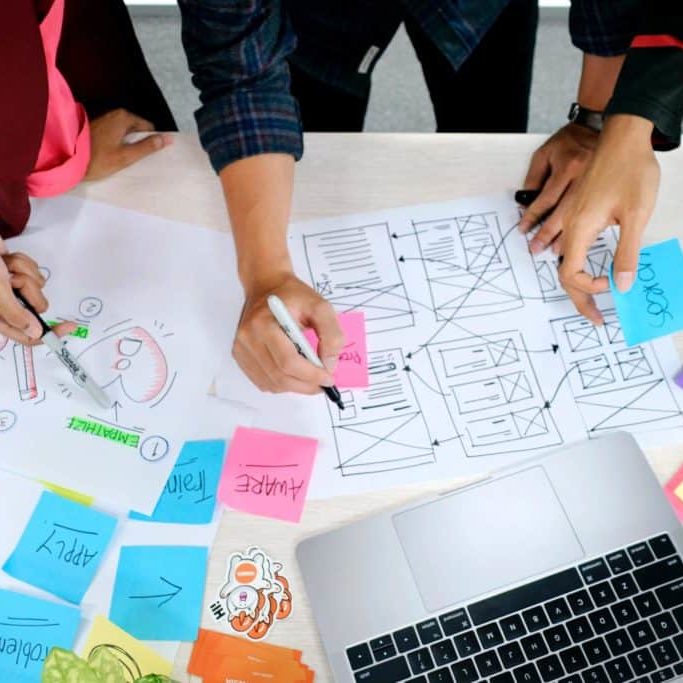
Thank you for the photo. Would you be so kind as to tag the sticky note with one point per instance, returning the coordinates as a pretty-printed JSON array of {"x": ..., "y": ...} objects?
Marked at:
[
  {"x": 352, "y": 368},
  {"x": 61, "y": 547},
  {"x": 159, "y": 590},
  {"x": 133, "y": 654},
  {"x": 267, "y": 473},
  {"x": 653, "y": 307},
  {"x": 674, "y": 492},
  {"x": 29, "y": 629},
  {"x": 68, "y": 493},
  {"x": 189, "y": 496}
]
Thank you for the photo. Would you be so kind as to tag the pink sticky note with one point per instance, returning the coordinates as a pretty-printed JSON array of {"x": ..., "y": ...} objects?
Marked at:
[
  {"x": 352, "y": 368},
  {"x": 674, "y": 492},
  {"x": 267, "y": 473}
]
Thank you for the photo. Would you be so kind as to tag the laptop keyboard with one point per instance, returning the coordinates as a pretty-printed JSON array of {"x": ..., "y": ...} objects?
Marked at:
[{"x": 614, "y": 619}]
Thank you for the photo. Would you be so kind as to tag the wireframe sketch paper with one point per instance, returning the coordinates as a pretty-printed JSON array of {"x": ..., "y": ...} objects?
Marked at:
[
  {"x": 476, "y": 356},
  {"x": 152, "y": 329}
]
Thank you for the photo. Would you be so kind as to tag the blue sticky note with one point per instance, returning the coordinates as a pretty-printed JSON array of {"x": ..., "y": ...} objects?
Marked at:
[
  {"x": 29, "y": 629},
  {"x": 189, "y": 496},
  {"x": 61, "y": 547},
  {"x": 159, "y": 591},
  {"x": 653, "y": 307}
]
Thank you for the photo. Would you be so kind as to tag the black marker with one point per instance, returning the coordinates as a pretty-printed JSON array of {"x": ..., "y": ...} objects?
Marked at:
[{"x": 526, "y": 197}]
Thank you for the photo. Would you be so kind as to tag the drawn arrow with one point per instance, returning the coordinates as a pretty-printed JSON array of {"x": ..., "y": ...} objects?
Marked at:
[
  {"x": 116, "y": 407},
  {"x": 439, "y": 442},
  {"x": 549, "y": 403},
  {"x": 396, "y": 236},
  {"x": 554, "y": 348},
  {"x": 164, "y": 597},
  {"x": 407, "y": 368}
]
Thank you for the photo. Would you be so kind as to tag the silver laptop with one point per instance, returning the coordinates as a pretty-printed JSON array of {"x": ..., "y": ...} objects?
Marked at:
[{"x": 565, "y": 568}]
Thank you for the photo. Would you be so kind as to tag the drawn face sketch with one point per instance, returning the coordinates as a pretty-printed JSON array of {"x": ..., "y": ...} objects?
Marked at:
[{"x": 133, "y": 360}]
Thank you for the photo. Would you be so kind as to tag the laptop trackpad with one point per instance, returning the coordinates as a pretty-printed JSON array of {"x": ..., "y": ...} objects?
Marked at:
[{"x": 486, "y": 537}]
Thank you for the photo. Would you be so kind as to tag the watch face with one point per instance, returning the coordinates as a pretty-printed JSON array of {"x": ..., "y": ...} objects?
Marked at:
[{"x": 573, "y": 111}]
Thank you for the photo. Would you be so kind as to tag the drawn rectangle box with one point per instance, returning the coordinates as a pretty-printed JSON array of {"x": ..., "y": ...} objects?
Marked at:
[
  {"x": 387, "y": 431},
  {"x": 493, "y": 395},
  {"x": 356, "y": 270},
  {"x": 467, "y": 266}
]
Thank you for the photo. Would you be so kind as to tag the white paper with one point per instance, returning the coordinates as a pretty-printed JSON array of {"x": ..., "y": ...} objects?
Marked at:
[
  {"x": 160, "y": 305},
  {"x": 477, "y": 357}
]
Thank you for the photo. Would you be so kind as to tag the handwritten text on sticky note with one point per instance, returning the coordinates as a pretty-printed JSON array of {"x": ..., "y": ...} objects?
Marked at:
[
  {"x": 267, "y": 473},
  {"x": 29, "y": 629},
  {"x": 62, "y": 547},
  {"x": 159, "y": 591},
  {"x": 189, "y": 496},
  {"x": 352, "y": 368},
  {"x": 653, "y": 307}
]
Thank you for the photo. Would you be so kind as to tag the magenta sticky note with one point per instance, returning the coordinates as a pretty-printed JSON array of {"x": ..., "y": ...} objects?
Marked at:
[
  {"x": 352, "y": 368},
  {"x": 267, "y": 473},
  {"x": 674, "y": 492}
]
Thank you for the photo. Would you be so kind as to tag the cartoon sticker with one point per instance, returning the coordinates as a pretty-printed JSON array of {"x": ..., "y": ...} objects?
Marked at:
[{"x": 255, "y": 595}]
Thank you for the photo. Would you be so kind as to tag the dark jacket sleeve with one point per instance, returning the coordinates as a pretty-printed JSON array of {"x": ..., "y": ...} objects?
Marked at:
[
  {"x": 237, "y": 51},
  {"x": 651, "y": 81},
  {"x": 23, "y": 94}
]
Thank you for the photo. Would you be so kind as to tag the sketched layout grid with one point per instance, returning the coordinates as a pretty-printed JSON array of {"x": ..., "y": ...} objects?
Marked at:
[
  {"x": 382, "y": 427},
  {"x": 467, "y": 266},
  {"x": 598, "y": 261},
  {"x": 493, "y": 395},
  {"x": 356, "y": 270},
  {"x": 614, "y": 386}
]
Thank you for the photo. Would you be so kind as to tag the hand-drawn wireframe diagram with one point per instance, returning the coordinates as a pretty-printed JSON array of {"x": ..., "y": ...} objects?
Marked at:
[
  {"x": 356, "y": 269},
  {"x": 467, "y": 266},
  {"x": 494, "y": 397},
  {"x": 477, "y": 356},
  {"x": 614, "y": 386},
  {"x": 382, "y": 427},
  {"x": 598, "y": 262}
]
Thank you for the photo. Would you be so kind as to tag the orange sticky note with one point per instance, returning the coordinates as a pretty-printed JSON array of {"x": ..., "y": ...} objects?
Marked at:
[
  {"x": 352, "y": 369},
  {"x": 267, "y": 473},
  {"x": 674, "y": 492}
]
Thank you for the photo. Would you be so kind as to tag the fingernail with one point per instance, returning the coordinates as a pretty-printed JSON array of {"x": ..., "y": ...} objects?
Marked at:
[
  {"x": 328, "y": 383},
  {"x": 624, "y": 280},
  {"x": 34, "y": 330},
  {"x": 522, "y": 226},
  {"x": 536, "y": 247},
  {"x": 158, "y": 142},
  {"x": 168, "y": 139},
  {"x": 330, "y": 363}
]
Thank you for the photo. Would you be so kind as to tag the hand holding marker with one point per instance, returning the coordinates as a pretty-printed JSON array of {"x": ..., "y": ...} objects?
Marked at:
[
  {"x": 290, "y": 327},
  {"x": 81, "y": 377}
]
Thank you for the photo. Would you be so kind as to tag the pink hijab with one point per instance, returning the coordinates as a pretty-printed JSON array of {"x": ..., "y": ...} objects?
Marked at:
[{"x": 65, "y": 149}]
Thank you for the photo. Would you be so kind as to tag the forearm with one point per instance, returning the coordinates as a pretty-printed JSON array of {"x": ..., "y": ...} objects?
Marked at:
[
  {"x": 598, "y": 78},
  {"x": 258, "y": 192}
]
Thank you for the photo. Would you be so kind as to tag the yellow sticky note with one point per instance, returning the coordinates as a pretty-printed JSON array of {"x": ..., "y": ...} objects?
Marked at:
[
  {"x": 136, "y": 658},
  {"x": 678, "y": 491},
  {"x": 68, "y": 493}
]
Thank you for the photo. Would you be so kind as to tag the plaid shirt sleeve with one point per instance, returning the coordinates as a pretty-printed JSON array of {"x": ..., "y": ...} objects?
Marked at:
[
  {"x": 237, "y": 51},
  {"x": 650, "y": 84},
  {"x": 603, "y": 27}
]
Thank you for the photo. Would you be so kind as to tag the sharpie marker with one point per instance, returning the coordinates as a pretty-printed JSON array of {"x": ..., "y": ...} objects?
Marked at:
[
  {"x": 52, "y": 341},
  {"x": 296, "y": 336}
]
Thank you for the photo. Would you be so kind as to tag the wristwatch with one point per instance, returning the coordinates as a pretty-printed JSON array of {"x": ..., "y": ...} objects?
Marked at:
[{"x": 588, "y": 118}]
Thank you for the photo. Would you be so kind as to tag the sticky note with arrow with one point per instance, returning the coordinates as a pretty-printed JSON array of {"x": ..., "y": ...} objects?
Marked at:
[{"x": 159, "y": 590}]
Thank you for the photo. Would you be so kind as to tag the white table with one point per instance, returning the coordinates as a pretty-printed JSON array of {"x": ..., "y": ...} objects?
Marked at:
[{"x": 347, "y": 174}]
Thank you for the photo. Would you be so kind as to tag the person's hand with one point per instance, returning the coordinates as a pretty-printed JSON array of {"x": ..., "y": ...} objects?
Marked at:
[
  {"x": 18, "y": 271},
  {"x": 555, "y": 167},
  {"x": 264, "y": 352},
  {"x": 109, "y": 152},
  {"x": 619, "y": 186}
]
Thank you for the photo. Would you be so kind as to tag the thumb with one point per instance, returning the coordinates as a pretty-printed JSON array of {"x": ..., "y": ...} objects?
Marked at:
[
  {"x": 626, "y": 256},
  {"x": 134, "y": 151},
  {"x": 331, "y": 338}
]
